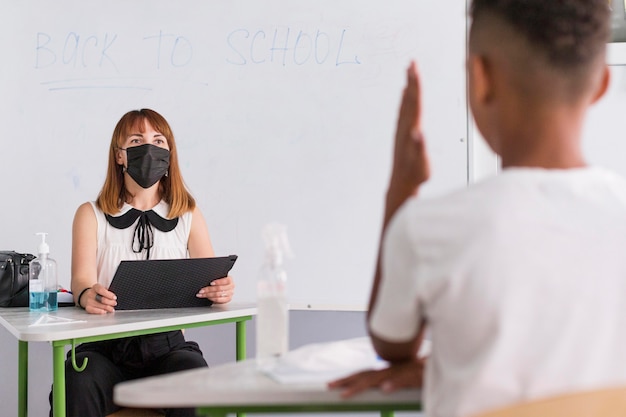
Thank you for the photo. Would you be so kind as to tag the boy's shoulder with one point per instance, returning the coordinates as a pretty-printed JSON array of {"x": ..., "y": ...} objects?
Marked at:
[
  {"x": 515, "y": 190},
  {"x": 522, "y": 181}
]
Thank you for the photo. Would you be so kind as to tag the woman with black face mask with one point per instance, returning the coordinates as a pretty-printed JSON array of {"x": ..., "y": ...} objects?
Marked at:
[{"x": 143, "y": 211}]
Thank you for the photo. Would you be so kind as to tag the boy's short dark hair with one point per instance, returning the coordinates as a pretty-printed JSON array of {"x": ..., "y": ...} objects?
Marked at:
[{"x": 568, "y": 32}]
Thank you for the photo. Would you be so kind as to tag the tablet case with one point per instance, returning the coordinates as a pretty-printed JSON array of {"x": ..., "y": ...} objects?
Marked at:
[{"x": 166, "y": 283}]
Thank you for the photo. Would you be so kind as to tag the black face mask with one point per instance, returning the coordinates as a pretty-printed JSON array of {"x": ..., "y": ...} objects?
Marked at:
[{"x": 147, "y": 164}]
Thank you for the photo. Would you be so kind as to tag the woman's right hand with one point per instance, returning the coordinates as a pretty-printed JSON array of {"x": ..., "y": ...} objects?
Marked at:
[{"x": 98, "y": 300}]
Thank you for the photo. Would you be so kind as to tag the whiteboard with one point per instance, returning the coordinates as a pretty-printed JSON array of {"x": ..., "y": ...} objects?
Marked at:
[
  {"x": 282, "y": 110},
  {"x": 603, "y": 135}
]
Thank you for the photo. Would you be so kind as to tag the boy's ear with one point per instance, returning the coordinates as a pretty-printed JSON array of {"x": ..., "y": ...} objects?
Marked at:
[
  {"x": 603, "y": 86},
  {"x": 480, "y": 79}
]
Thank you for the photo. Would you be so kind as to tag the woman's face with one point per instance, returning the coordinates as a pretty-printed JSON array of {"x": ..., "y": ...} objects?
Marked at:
[{"x": 136, "y": 137}]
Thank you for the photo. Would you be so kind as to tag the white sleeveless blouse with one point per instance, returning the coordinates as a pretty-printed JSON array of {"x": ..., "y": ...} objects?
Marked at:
[{"x": 115, "y": 245}]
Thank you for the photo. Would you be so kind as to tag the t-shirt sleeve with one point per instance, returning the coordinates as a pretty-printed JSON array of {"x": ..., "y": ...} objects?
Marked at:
[{"x": 396, "y": 315}]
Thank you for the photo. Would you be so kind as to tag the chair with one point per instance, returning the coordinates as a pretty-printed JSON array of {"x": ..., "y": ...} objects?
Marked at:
[{"x": 609, "y": 402}]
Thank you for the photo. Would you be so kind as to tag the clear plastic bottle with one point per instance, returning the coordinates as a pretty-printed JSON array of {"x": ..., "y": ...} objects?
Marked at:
[
  {"x": 272, "y": 321},
  {"x": 42, "y": 279}
]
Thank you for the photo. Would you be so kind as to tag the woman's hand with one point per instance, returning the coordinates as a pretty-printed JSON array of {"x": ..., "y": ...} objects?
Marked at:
[
  {"x": 220, "y": 291},
  {"x": 98, "y": 300},
  {"x": 396, "y": 376}
]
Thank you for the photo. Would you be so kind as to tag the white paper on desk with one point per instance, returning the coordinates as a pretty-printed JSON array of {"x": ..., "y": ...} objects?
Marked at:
[
  {"x": 324, "y": 362},
  {"x": 48, "y": 320}
]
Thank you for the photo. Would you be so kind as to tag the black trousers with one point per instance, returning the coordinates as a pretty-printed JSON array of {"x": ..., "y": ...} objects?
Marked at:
[{"x": 90, "y": 393}]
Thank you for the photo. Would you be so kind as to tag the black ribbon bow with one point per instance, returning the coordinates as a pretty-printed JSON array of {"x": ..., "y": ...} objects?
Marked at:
[{"x": 143, "y": 238}]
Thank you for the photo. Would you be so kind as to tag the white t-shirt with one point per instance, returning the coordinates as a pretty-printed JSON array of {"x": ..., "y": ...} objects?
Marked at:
[
  {"x": 522, "y": 282},
  {"x": 115, "y": 245}
]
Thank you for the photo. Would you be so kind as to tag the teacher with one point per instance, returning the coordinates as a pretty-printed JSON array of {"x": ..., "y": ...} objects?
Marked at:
[{"x": 143, "y": 211}]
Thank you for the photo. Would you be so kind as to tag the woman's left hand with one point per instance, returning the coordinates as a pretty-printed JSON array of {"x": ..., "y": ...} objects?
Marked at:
[{"x": 219, "y": 291}]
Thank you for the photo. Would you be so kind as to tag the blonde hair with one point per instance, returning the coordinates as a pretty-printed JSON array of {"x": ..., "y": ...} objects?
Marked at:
[{"x": 171, "y": 188}]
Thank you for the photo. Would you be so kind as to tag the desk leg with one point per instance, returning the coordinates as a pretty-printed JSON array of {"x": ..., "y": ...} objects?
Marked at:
[
  {"x": 22, "y": 379},
  {"x": 240, "y": 329},
  {"x": 58, "y": 378}
]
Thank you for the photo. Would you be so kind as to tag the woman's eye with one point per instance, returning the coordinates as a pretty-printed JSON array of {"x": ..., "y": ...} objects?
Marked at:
[{"x": 135, "y": 140}]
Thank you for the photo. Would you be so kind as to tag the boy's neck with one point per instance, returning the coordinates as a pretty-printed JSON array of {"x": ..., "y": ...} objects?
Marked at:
[
  {"x": 546, "y": 162},
  {"x": 548, "y": 138}
]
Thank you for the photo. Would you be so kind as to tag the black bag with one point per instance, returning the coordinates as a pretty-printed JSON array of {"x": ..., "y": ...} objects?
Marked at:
[{"x": 14, "y": 278}]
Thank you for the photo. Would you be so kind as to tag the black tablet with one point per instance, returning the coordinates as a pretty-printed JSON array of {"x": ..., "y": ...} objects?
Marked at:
[{"x": 166, "y": 283}]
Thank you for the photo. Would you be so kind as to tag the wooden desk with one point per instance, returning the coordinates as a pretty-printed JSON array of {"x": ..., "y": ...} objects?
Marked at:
[
  {"x": 90, "y": 328},
  {"x": 239, "y": 388}
]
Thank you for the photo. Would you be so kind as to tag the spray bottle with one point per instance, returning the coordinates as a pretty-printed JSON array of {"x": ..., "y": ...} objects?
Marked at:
[
  {"x": 272, "y": 327},
  {"x": 42, "y": 279}
]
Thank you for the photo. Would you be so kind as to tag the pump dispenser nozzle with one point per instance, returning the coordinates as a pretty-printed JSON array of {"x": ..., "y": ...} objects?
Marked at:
[
  {"x": 276, "y": 242},
  {"x": 43, "y": 246}
]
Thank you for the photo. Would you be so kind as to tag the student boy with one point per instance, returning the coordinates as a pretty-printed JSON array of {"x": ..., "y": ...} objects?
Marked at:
[{"x": 521, "y": 279}]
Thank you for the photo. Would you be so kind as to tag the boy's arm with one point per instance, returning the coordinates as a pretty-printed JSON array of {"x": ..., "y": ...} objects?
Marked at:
[{"x": 410, "y": 170}]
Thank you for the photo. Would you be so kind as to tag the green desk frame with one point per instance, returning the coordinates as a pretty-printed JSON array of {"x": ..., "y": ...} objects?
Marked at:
[
  {"x": 58, "y": 354},
  {"x": 385, "y": 410}
]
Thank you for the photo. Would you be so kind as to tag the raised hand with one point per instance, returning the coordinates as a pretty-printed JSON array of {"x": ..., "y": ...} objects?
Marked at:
[{"x": 411, "y": 166}]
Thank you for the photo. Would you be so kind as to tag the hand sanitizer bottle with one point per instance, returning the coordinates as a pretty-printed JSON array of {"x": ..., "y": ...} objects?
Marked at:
[
  {"x": 42, "y": 279},
  {"x": 272, "y": 321}
]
